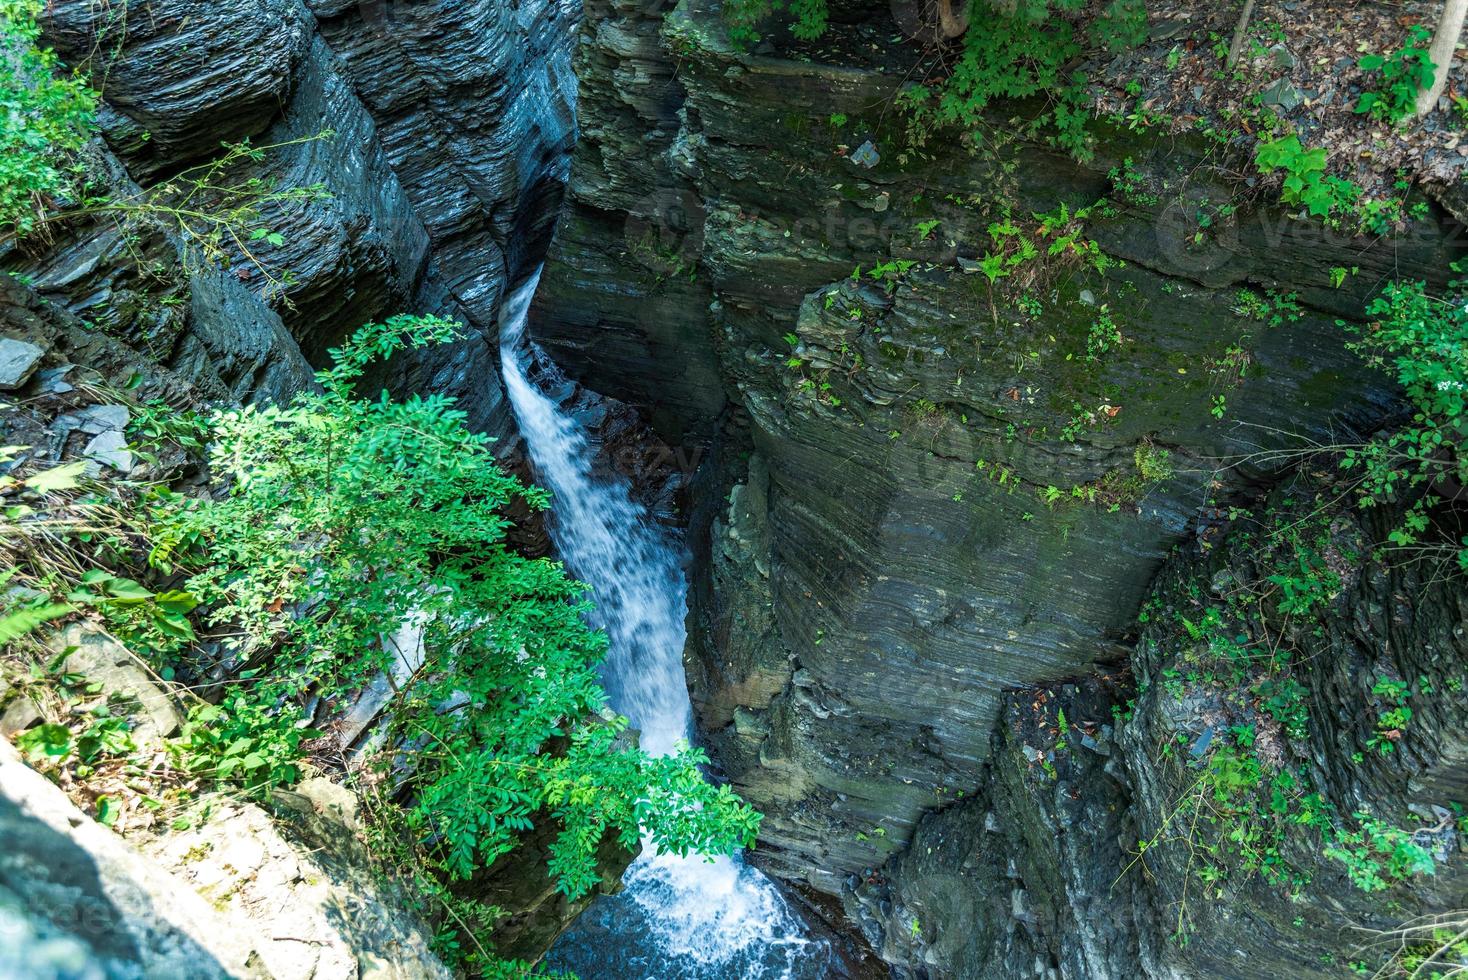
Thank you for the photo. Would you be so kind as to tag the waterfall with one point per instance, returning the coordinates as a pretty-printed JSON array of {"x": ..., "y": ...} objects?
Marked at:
[{"x": 677, "y": 917}]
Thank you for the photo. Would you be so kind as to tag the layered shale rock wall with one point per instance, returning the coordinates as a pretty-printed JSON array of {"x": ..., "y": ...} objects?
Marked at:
[
  {"x": 452, "y": 123},
  {"x": 916, "y": 494}
]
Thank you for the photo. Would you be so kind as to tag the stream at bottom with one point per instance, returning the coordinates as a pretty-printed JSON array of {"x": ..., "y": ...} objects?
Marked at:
[{"x": 677, "y": 918}]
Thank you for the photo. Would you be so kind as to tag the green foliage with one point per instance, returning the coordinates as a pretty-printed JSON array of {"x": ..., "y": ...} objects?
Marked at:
[
  {"x": 1012, "y": 249},
  {"x": 349, "y": 520},
  {"x": 1103, "y": 336},
  {"x": 1403, "y": 73},
  {"x": 218, "y": 210},
  {"x": 1243, "y": 811},
  {"x": 1010, "y": 56},
  {"x": 744, "y": 18},
  {"x": 1305, "y": 582},
  {"x": 153, "y": 624},
  {"x": 1305, "y": 179},
  {"x": 46, "y": 117},
  {"x": 244, "y": 741},
  {"x": 1378, "y": 855},
  {"x": 1422, "y": 341},
  {"x": 96, "y": 729},
  {"x": 27, "y": 619},
  {"x": 1325, "y": 196},
  {"x": 1131, "y": 184},
  {"x": 1014, "y": 51},
  {"x": 1153, "y": 465},
  {"x": 1274, "y": 308}
]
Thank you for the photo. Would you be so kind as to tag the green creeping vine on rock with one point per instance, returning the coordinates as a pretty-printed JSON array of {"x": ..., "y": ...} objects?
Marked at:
[
  {"x": 1240, "y": 812},
  {"x": 216, "y": 209}
]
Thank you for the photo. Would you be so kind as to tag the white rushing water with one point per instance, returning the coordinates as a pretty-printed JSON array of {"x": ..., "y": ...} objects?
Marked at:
[{"x": 677, "y": 917}]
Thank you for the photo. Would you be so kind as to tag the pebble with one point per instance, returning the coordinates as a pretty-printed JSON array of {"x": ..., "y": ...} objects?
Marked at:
[{"x": 1282, "y": 56}]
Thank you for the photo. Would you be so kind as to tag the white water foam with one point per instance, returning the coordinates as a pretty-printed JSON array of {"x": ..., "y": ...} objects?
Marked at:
[{"x": 679, "y": 917}]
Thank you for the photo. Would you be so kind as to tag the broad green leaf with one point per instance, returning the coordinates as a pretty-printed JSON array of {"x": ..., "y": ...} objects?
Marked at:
[{"x": 64, "y": 477}]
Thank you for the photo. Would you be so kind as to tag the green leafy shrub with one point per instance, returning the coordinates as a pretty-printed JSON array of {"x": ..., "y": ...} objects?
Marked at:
[
  {"x": 1011, "y": 57},
  {"x": 1013, "y": 51},
  {"x": 1422, "y": 341},
  {"x": 45, "y": 118},
  {"x": 244, "y": 741},
  {"x": 744, "y": 18},
  {"x": 1403, "y": 73},
  {"x": 349, "y": 520},
  {"x": 1305, "y": 179},
  {"x": 1379, "y": 855}
]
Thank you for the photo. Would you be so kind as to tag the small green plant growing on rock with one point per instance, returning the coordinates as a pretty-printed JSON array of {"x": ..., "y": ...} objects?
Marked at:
[
  {"x": 1103, "y": 336},
  {"x": 1377, "y": 855},
  {"x": 1305, "y": 179},
  {"x": 1131, "y": 184},
  {"x": 1154, "y": 465},
  {"x": 1394, "y": 717}
]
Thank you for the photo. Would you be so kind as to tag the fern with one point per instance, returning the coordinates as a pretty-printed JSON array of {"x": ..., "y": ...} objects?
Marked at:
[{"x": 22, "y": 622}]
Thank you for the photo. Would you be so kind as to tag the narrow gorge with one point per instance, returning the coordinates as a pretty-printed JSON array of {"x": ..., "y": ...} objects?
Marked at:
[{"x": 1012, "y": 452}]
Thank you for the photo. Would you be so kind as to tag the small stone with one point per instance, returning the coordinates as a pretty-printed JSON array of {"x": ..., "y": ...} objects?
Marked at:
[
  {"x": 1100, "y": 748},
  {"x": 332, "y": 799},
  {"x": 1201, "y": 745},
  {"x": 1282, "y": 93},
  {"x": 866, "y": 155},
  {"x": 1171, "y": 27},
  {"x": 1221, "y": 582},
  {"x": 110, "y": 449},
  {"x": 100, "y": 658},
  {"x": 19, "y": 715},
  {"x": 53, "y": 380},
  {"x": 95, "y": 419},
  {"x": 1088, "y": 297},
  {"x": 18, "y": 360},
  {"x": 1282, "y": 56},
  {"x": 1197, "y": 91}
]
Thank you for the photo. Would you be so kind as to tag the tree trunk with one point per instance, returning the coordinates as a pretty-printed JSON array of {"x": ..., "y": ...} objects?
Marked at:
[
  {"x": 1238, "y": 42},
  {"x": 954, "y": 24},
  {"x": 1444, "y": 43}
]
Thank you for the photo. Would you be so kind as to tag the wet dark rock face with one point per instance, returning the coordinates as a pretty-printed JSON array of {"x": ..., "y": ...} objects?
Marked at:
[
  {"x": 1040, "y": 871},
  {"x": 881, "y": 559}
]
